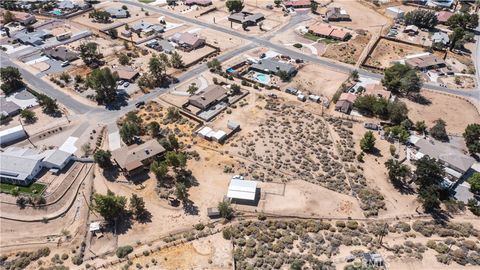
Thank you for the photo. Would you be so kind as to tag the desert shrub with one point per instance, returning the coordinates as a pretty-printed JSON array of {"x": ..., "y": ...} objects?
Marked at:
[
  {"x": 352, "y": 224},
  {"x": 431, "y": 244},
  {"x": 77, "y": 260},
  {"x": 227, "y": 234},
  {"x": 199, "y": 226},
  {"x": 122, "y": 252},
  {"x": 64, "y": 256},
  {"x": 340, "y": 224}
]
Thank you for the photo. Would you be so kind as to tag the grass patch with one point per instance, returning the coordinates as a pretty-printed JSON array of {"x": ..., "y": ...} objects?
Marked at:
[
  {"x": 311, "y": 36},
  {"x": 146, "y": 1},
  {"x": 328, "y": 41},
  {"x": 33, "y": 189}
]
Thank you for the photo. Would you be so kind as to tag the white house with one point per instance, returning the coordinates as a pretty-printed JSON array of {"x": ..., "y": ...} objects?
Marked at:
[{"x": 394, "y": 12}]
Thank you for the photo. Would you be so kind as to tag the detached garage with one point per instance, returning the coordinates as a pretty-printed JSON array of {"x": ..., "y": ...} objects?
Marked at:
[
  {"x": 242, "y": 191},
  {"x": 12, "y": 135}
]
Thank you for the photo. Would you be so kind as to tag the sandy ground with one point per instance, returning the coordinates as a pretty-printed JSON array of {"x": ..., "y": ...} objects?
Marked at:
[
  {"x": 466, "y": 82},
  {"x": 446, "y": 107},
  {"x": 348, "y": 52}
]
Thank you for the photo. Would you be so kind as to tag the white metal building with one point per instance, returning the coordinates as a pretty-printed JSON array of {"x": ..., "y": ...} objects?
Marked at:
[
  {"x": 11, "y": 135},
  {"x": 394, "y": 12},
  {"x": 242, "y": 190}
]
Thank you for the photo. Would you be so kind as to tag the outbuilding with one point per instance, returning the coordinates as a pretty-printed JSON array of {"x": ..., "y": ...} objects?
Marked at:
[
  {"x": 12, "y": 135},
  {"x": 242, "y": 190},
  {"x": 395, "y": 12}
]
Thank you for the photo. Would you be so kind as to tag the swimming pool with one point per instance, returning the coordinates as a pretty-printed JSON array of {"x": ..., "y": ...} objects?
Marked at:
[{"x": 263, "y": 78}]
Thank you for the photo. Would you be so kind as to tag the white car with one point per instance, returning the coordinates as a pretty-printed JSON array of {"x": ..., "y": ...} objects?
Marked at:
[{"x": 126, "y": 84}]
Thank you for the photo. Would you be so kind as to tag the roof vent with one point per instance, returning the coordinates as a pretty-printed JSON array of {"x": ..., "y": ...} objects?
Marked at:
[{"x": 203, "y": 97}]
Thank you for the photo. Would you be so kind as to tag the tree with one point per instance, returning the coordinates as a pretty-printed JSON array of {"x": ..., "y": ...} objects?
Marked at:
[
  {"x": 128, "y": 132},
  {"x": 401, "y": 79},
  {"x": 137, "y": 206},
  {"x": 354, "y": 75},
  {"x": 277, "y": 2},
  {"x": 474, "y": 182},
  {"x": 173, "y": 142},
  {"x": 397, "y": 172},
  {"x": 65, "y": 77},
  {"x": 103, "y": 158},
  {"x": 100, "y": 16},
  {"x": 176, "y": 160},
  {"x": 367, "y": 143},
  {"x": 113, "y": 33},
  {"x": 235, "y": 89},
  {"x": 154, "y": 129},
  {"x": 160, "y": 169},
  {"x": 397, "y": 111},
  {"x": 428, "y": 176},
  {"x": 176, "y": 60},
  {"x": 472, "y": 138},
  {"x": 421, "y": 18},
  {"x": 8, "y": 17},
  {"x": 225, "y": 209},
  {"x": 49, "y": 105},
  {"x": 181, "y": 191},
  {"x": 123, "y": 59},
  {"x": 11, "y": 79},
  {"x": 283, "y": 75},
  {"x": 192, "y": 88},
  {"x": 28, "y": 115},
  {"x": 158, "y": 70},
  {"x": 89, "y": 53},
  {"x": 110, "y": 206},
  {"x": 438, "y": 131},
  {"x": 429, "y": 197},
  {"x": 313, "y": 7},
  {"x": 420, "y": 126},
  {"x": 463, "y": 20},
  {"x": 104, "y": 82},
  {"x": 456, "y": 38},
  {"x": 234, "y": 5},
  {"x": 214, "y": 65}
]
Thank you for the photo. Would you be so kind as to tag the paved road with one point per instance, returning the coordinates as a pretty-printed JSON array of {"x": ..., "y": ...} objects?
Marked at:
[
  {"x": 476, "y": 56},
  {"x": 262, "y": 41}
]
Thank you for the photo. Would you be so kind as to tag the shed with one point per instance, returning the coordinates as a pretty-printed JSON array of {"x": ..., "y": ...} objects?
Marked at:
[
  {"x": 218, "y": 135},
  {"x": 301, "y": 97},
  {"x": 314, "y": 98},
  {"x": 233, "y": 125},
  {"x": 11, "y": 135},
  {"x": 213, "y": 212},
  {"x": 242, "y": 190},
  {"x": 394, "y": 12}
]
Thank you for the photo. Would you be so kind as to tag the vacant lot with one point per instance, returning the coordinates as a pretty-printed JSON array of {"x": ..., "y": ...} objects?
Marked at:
[
  {"x": 348, "y": 52},
  {"x": 449, "y": 108}
]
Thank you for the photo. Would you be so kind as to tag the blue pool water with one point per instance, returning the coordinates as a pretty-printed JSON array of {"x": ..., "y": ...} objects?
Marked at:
[{"x": 263, "y": 78}]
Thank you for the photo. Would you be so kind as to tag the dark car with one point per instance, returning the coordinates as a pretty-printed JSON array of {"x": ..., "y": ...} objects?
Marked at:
[{"x": 139, "y": 104}]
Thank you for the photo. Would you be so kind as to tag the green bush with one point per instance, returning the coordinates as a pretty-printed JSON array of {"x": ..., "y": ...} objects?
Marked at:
[{"x": 124, "y": 251}]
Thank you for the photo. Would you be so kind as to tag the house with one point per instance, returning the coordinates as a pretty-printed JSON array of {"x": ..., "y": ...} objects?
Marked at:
[
  {"x": 298, "y": 4},
  {"x": 24, "y": 18},
  {"x": 8, "y": 108},
  {"x": 273, "y": 66},
  {"x": 126, "y": 73},
  {"x": 161, "y": 45},
  {"x": 443, "y": 16},
  {"x": 126, "y": 33},
  {"x": 11, "y": 135},
  {"x": 23, "y": 99},
  {"x": 208, "y": 97},
  {"x": 242, "y": 190},
  {"x": 66, "y": 5},
  {"x": 394, "y": 12},
  {"x": 20, "y": 166},
  {"x": 117, "y": 13},
  {"x": 411, "y": 30},
  {"x": 247, "y": 18},
  {"x": 147, "y": 28},
  {"x": 440, "y": 37},
  {"x": 441, "y": 3},
  {"x": 335, "y": 14},
  {"x": 328, "y": 31},
  {"x": 424, "y": 61},
  {"x": 345, "y": 102},
  {"x": 188, "y": 41},
  {"x": 372, "y": 259},
  {"x": 133, "y": 158},
  {"x": 377, "y": 90},
  {"x": 61, "y": 53},
  {"x": 202, "y": 3},
  {"x": 36, "y": 38}
]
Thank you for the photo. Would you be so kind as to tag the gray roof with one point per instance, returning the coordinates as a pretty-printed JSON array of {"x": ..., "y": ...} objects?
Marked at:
[
  {"x": 246, "y": 17},
  {"x": 440, "y": 37},
  {"x": 18, "y": 163},
  {"x": 66, "y": 4},
  {"x": 8, "y": 108},
  {"x": 62, "y": 53},
  {"x": 36, "y": 38},
  {"x": 146, "y": 26},
  {"x": 117, "y": 12},
  {"x": 457, "y": 161},
  {"x": 57, "y": 157},
  {"x": 210, "y": 94},
  {"x": 273, "y": 66}
]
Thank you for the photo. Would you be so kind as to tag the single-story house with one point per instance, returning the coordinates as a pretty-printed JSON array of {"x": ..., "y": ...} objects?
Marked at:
[
  {"x": 20, "y": 166},
  {"x": 242, "y": 190},
  {"x": 126, "y": 33},
  {"x": 188, "y": 41},
  {"x": 443, "y": 16},
  {"x": 335, "y": 14},
  {"x": 66, "y": 5},
  {"x": 147, "y": 28},
  {"x": 298, "y": 4},
  {"x": 24, "y": 18},
  {"x": 273, "y": 66},
  {"x": 36, "y": 38},
  {"x": 61, "y": 53},
  {"x": 440, "y": 37},
  {"x": 126, "y": 73},
  {"x": 8, "y": 108},
  {"x": 202, "y": 3},
  {"x": 117, "y": 13},
  {"x": 345, "y": 102},
  {"x": 161, "y": 45},
  {"x": 411, "y": 30},
  {"x": 246, "y": 17},
  {"x": 208, "y": 97},
  {"x": 11, "y": 135},
  {"x": 328, "y": 31},
  {"x": 425, "y": 61},
  {"x": 395, "y": 12},
  {"x": 377, "y": 90},
  {"x": 56, "y": 159},
  {"x": 133, "y": 158}
]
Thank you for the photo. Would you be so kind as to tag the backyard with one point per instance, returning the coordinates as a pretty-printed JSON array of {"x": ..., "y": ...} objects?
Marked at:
[{"x": 34, "y": 188}]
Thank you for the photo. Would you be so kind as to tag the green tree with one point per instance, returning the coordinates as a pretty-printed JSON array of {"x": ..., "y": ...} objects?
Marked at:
[
  {"x": 397, "y": 172},
  {"x": 8, "y": 17},
  {"x": 123, "y": 59},
  {"x": 234, "y": 5},
  {"x": 215, "y": 65},
  {"x": 110, "y": 206},
  {"x": 11, "y": 79},
  {"x": 225, "y": 209},
  {"x": 420, "y": 126},
  {"x": 192, "y": 88},
  {"x": 474, "y": 182},
  {"x": 313, "y": 7},
  {"x": 283, "y": 75},
  {"x": 100, "y": 16},
  {"x": 104, "y": 82},
  {"x": 173, "y": 142},
  {"x": 28, "y": 115},
  {"x": 158, "y": 70},
  {"x": 397, "y": 111},
  {"x": 428, "y": 175},
  {"x": 181, "y": 191},
  {"x": 160, "y": 169},
  {"x": 154, "y": 129},
  {"x": 463, "y": 20},
  {"x": 103, "y": 158},
  {"x": 176, "y": 60},
  {"x": 421, "y": 18},
  {"x": 277, "y": 2},
  {"x": 235, "y": 89},
  {"x": 366, "y": 104},
  {"x": 367, "y": 143},
  {"x": 472, "y": 138},
  {"x": 113, "y": 33},
  {"x": 354, "y": 75},
  {"x": 438, "y": 131},
  {"x": 49, "y": 105},
  {"x": 137, "y": 206},
  {"x": 176, "y": 160},
  {"x": 456, "y": 38},
  {"x": 89, "y": 53},
  {"x": 128, "y": 132},
  {"x": 401, "y": 79},
  {"x": 65, "y": 77}
]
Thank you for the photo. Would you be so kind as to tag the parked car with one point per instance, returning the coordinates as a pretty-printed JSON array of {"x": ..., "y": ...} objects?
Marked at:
[
  {"x": 120, "y": 82},
  {"x": 64, "y": 64},
  {"x": 370, "y": 126},
  {"x": 139, "y": 104},
  {"x": 126, "y": 84}
]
